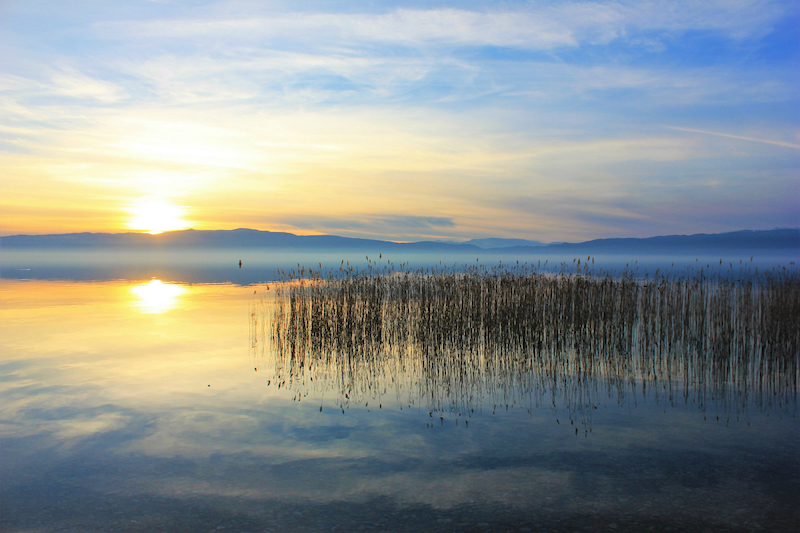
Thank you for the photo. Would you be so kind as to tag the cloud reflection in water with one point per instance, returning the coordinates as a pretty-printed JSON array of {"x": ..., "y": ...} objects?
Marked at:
[{"x": 108, "y": 417}]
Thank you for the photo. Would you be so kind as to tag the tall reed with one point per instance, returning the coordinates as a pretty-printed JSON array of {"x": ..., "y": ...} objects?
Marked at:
[{"x": 451, "y": 340}]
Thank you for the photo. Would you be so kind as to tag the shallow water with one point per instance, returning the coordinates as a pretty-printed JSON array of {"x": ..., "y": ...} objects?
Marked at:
[
  {"x": 221, "y": 265},
  {"x": 137, "y": 406}
]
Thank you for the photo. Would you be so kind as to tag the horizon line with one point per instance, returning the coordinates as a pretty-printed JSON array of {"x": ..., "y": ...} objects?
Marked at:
[{"x": 147, "y": 233}]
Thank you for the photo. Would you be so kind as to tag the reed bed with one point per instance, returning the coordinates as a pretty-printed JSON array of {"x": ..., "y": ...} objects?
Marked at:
[{"x": 459, "y": 339}]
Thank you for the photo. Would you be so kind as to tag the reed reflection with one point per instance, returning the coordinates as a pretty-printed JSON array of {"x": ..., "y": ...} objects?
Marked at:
[
  {"x": 156, "y": 297},
  {"x": 455, "y": 341}
]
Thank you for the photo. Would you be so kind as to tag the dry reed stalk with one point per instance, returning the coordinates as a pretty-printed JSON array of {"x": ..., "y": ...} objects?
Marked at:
[{"x": 451, "y": 340}]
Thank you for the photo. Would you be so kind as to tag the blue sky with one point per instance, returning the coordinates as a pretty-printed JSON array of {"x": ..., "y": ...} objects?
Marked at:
[{"x": 416, "y": 120}]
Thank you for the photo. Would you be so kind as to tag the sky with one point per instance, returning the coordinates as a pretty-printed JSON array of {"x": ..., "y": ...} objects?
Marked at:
[{"x": 552, "y": 121}]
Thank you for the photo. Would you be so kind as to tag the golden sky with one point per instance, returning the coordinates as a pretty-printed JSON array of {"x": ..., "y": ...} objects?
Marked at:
[{"x": 541, "y": 121}]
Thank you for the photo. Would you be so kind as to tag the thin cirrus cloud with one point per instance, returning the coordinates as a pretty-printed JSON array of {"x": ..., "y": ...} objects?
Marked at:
[
  {"x": 431, "y": 116},
  {"x": 542, "y": 26},
  {"x": 416, "y": 225},
  {"x": 742, "y": 137}
]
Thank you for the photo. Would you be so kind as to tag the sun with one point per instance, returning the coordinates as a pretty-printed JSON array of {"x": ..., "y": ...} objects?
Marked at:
[{"x": 156, "y": 216}]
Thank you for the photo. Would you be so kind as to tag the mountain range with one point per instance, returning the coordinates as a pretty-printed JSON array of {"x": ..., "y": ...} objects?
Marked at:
[{"x": 778, "y": 240}]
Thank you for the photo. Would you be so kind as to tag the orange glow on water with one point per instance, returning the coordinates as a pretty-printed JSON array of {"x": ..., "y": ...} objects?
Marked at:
[{"x": 157, "y": 297}]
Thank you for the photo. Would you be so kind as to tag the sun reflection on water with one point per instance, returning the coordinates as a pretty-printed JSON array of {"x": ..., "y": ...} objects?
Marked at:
[{"x": 157, "y": 297}]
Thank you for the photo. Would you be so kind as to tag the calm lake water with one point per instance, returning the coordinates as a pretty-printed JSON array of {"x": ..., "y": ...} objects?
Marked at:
[{"x": 142, "y": 405}]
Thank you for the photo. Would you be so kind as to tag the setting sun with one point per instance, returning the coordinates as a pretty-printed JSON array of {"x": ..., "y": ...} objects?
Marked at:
[{"x": 157, "y": 216}]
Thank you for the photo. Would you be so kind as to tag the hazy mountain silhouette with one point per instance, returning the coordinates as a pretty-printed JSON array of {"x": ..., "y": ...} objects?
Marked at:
[
  {"x": 739, "y": 241},
  {"x": 779, "y": 239},
  {"x": 195, "y": 239}
]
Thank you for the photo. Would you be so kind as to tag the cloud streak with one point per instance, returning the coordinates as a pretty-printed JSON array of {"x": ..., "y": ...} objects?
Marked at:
[
  {"x": 539, "y": 26},
  {"x": 741, "y": 137}
]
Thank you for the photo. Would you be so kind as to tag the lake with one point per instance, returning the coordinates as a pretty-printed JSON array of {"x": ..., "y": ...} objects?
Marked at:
[{"x": 134, "y": 403}]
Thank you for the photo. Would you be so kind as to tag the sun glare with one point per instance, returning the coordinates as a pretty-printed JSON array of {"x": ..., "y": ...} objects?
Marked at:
[
  {"x": 157, "y": 216},
  {"x": 157, "y": 297}
]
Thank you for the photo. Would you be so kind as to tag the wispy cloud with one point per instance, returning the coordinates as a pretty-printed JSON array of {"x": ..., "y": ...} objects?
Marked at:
[
  {"x": 536, "y": 26},
  {"x": 368, "y": 225},
  {"x": 741, "y": 137}
]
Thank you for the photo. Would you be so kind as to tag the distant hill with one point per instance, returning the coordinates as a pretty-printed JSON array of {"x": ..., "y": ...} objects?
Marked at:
[
  {"x": 786, "y": 240},
  {"x": 238, "y": 238}
]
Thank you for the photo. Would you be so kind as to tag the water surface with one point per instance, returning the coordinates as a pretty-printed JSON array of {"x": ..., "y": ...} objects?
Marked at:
[{"x": 142, "y": 406}]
